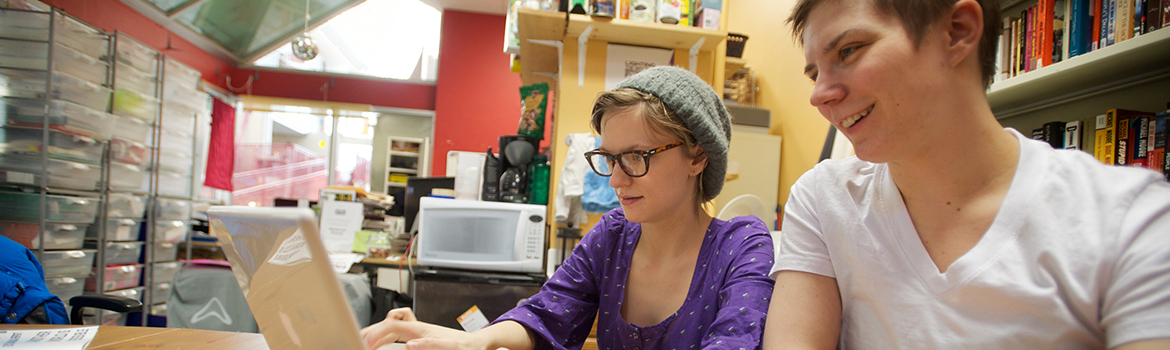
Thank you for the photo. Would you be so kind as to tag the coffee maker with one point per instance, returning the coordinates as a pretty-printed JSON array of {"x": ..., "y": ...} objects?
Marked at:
[{"x": 516, "y": 152}]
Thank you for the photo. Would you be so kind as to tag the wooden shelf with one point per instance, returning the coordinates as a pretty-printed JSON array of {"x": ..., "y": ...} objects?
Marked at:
[
  {"x": 1137, "y": 59},
  {"x": 538, "y": 58},
  {"x": 401, "y": 170},
  {"x": 407, "y": 154},
  {"x": 621, "y": 31}
]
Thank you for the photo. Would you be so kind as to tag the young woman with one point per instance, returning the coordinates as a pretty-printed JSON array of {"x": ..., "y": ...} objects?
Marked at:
[{"x": 657, "y": 273}]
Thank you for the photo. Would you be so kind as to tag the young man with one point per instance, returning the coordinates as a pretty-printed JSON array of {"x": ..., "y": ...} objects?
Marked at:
[{"x": 947, "y": 230}]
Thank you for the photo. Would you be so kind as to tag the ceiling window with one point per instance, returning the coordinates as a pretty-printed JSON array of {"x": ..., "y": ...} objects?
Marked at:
[{"x": 396, "y": 39}]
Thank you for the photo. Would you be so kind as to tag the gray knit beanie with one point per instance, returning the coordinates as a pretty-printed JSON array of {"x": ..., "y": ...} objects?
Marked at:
[{"x": 701, "y": 110}]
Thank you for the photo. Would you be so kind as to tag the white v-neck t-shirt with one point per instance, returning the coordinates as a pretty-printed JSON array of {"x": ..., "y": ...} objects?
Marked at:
[{"x": 1077, "y": 257}]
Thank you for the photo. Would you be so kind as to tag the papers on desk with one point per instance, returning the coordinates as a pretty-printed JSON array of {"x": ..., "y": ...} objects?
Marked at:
[{"x": 48, "y": 338}]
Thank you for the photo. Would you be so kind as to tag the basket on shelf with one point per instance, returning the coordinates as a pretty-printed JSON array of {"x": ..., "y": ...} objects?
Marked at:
[{"x": 735, "y": 43}]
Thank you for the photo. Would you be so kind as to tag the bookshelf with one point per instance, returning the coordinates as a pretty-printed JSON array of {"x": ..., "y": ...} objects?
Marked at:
[
  {"x": 1132, "y": 74},
  {"x": 405, "y": 157}
]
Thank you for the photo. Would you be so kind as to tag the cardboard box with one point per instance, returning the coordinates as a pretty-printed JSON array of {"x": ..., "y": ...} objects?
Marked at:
[{"x": 708, "y": 19}]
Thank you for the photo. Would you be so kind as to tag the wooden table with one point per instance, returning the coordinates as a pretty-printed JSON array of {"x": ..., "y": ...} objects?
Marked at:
[{"x": 115, "y": 337}]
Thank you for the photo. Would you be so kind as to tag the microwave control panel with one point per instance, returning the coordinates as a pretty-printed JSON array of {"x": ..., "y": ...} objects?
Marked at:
[{"x": 535, "y": 241}]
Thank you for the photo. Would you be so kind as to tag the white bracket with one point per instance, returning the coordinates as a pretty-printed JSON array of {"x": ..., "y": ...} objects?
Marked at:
[
  {"x": 581, "y": 44},
  {"x": 560, "y": 45},
  {"x": 694, "y": 53}
]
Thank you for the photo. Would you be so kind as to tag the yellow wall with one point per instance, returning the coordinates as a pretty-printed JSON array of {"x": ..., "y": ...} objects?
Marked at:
[{"x": 778, "y": 62}]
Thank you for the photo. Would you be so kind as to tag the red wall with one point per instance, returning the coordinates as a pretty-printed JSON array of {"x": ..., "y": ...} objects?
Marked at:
[
  {"x": 111, "y": 15},
  {"x": 477, "y": 97}
]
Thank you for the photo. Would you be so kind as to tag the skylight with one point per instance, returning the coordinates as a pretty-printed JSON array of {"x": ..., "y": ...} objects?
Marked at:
[{"x": 396, "y": 39}]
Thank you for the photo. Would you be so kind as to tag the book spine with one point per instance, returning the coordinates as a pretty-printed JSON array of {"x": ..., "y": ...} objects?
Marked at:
[
  {"x": 1124, "y": 19},
  {"x": 1123, "y": 151},
  {"x": 1162, "y": 140},
  {"x": 1045, "y": 11},
  {"x": 1054, "y": 134},
  {"x": 1153, "y": 15},
  {"x": 1030, "y": 44},
  {"x": 1110, "y": 145},
  {"x": 1088, "y": 135},
  {"x": 1021, "y": 42},
  {"x": 1072, "y": 135},
  {"x": 1140, "y": 136},
  {"x": 1165, "y": 15},
  {"x": 1095, "y": 17},
  {"x": 1108, "y": 11},
  {"x": 1076, "y": 28},
  {"x": 1060, "y": 23}
]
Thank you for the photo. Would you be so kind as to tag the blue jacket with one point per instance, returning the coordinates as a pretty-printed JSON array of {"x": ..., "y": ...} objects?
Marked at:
[{"x": 22, "y": 283}]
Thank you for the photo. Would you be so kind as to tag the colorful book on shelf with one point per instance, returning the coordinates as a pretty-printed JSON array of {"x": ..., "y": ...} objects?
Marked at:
[
  {"x": 1053, "y": 133},
  {"x": 1072, "y": 135},
  {"x": 1045, "y": 29},
  {"x": 1156, "y": 154},
  {"x": 1038, "y": 134},
  {"x": 1060, "y": 30},
  {"x": 1139, "y": 133},
  {"x": 1161, "y": 141},
  {"x": 1153, "y": 13},
  {"x": 1089, "y": 135},
  {"x": 1108, "y": 9},
  {"x": 1078, "y": 18},
  {"x": 1096, "y": 19},
  {"x": 1029, "y": 38},
  {"x": 1123, "y": 21},
  {"x": 1123, "y": 146},
  {"x": 1021, "y": 43},
  {"x": 1103, "y": 144},
  {"x": 1165, "y": 15}
]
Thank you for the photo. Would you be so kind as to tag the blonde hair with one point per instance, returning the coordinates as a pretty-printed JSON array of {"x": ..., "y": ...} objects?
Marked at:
[{"x": 655, "y": 114}]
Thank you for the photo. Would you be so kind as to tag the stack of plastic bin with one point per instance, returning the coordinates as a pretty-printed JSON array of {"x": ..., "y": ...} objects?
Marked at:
[{"x": 54, "y": 73}]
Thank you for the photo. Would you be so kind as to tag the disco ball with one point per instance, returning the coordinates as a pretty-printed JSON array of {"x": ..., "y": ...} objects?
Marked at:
[{"x": 304, "y": 48}]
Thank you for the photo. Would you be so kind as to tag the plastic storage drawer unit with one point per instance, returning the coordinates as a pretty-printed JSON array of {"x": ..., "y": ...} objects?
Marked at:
[
  {"x": 165, "y": 272},
  {"x": 174, "y": 185},
  {"x": 179, "y": 119},
  {"x": 130, "y": 78},
  {"x": 56, "y": 236},
  {"x": 23, "y": 83},
  {"x": 178, "y": 75},
  {"x": 117, "y": 229},
  {"x": 74, "y": 89},
  {"x": 177, "y": 163},
  {"x": 27, "y": 206},
  {"x": 24, "y": 25},
  {"x": 117, "y": 277},
  {"x": 62, "y": 173},
  {"x": 118, "y": 253},
  {"x": 184, "y": 96},
  {"x": 23, "y": 54},
  {"x": 129, "y": 152},
  {"x": 166, "y": 251},
  {"x": 26, "y": 141},
  {"x": 176, "y": 143},
  {"x": 170, "y": 231},
  {"x": 80, "y": 64},
  {"x": 159, "y": 293},
  {"x": 68, "y": 263},
  {"x": 173, "y": 209},
  {"x": 138, "y": 56},
  {"x": 135, "y": 105},
  {"x": 124, "y": 205},
  {"x": 79, "y": 120},
  {"x": 65, "y": 287},
  {"x": 79, "y": 36},
  {"x": 126, "y": 176},
  {"x": 132, "y": 129}
]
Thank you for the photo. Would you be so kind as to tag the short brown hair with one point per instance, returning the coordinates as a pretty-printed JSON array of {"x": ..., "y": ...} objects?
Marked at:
[
  {"x": 916, "y": 17},
  {"x": 655, "y": 114}
]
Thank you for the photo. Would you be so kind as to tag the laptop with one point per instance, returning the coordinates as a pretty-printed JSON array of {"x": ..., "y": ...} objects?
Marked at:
[{"x": 279, "y": 260}]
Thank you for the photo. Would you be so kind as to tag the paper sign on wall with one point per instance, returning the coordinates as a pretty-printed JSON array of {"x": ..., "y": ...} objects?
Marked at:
[
  {"x": 340, "y": 221},
  {"x": 622, "y": 61}
]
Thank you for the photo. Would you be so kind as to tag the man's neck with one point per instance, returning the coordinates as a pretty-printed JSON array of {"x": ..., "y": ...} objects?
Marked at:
[{"x": 968, "y": 157}]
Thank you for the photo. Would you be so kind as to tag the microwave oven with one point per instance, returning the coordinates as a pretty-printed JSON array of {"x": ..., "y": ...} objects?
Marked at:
[{"x": 478, "y": 235}]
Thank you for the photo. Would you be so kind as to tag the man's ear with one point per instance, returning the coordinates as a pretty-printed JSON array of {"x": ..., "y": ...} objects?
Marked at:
[
  {"x": 699, "y": 162},
  {"x": 964, "y": 29}
]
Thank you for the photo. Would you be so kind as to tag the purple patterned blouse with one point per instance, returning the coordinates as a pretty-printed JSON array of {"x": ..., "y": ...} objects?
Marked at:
[{"x": 725, "y": 306}]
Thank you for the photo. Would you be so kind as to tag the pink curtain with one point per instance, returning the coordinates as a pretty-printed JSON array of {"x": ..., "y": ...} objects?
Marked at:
[{"x": 221, "y": 148}]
